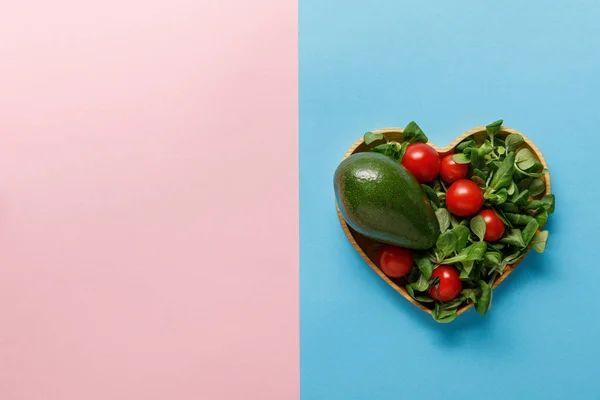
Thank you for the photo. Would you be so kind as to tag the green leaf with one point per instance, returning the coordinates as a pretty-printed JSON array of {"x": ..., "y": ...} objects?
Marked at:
[
  {"x": 512, "y": 189},
  {"x": 532, "y": 174},
  {"x": 478, "y": 226},
  {"x": 539, "y": 241},
  {"x": 549, "y": 202},
  {"x": 499, "y": 197},
  {"x": 513, "y": 238},
  {"x": 492, "y": 258},
  {"x": 501, "y": 150},
  {"x": 469, "y": 143},
  {"x": 519, "y": 219},
  {"x": 424, "y": 264},
  {"x": 541, "y": 217},
  {"x": 469, "y": 294},
  {"x": 503, "y": 177},
  {"x": 402, "y": 151},
  {"x": 371, "y": 137},
  {"x": 462, "y": 233},
  {"x": 477, "y": 160},
  {"x": 421, "y": 285},
  {"x": 485, "y": 149},
  {"x": 524, "y": 184},
  {"x": 521, "y": 198},
  {"x": 431, "y": 195},
  {"x": 420, "y": 298},
  {"x": 442, "y": 315},
  {"x": 443, "y": 217},
  {"x": 474, "y": 252},
  {"x": 537, "y": 187},
  {"x": 480, "y": 182},
  {"x": 390, "y": 149},
  {"x": 484, "y": 300},
  {"x": 525, "y": 159},
  {"x": 535, "y": 204},
  {"x": 529, "y": 231},
  {"x": 413, "y": 134},
  {"x": 483, "y": 175},
  {"x": 446, "y": 244},
  {"x": 500, "y": 214},
  {"x": 461, "y": 158},
  {"x": 494, "y": 127},
  {"x": 514, "y": 141},
  {"x": 509, "y": 207},
  {"x": 467, "y": 268}
]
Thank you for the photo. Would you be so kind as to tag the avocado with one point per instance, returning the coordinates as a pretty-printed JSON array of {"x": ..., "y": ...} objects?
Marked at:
[{"x": 381, "y": 200}]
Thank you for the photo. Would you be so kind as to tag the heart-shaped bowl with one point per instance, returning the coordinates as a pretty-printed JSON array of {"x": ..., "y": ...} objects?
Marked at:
[{"x": 369, "y": 249}]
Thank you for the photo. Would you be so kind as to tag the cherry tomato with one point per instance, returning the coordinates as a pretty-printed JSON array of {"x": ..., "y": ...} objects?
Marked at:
[
  {"x": 464, "y": 198},
  {"x": 494, "y": 227},
  {"x": 451, "y": 171},
  {"x": 422, "y": 161},
  {"x": 395, "y": 262},
  {"x": 449, "y": 286}
]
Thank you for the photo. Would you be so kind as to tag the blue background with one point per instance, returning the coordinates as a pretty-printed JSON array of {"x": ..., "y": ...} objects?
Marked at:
[{"x": 451, "y": 66}]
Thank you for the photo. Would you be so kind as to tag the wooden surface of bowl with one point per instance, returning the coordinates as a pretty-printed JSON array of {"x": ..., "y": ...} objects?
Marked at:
[{"x": 369, "y": 249}]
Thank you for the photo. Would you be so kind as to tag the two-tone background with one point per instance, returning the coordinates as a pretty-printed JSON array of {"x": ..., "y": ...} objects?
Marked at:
[{"x": 167, "y": 220}]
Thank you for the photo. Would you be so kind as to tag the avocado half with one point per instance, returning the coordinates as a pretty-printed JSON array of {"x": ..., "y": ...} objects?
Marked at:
[{"x": 381, "y": 200}]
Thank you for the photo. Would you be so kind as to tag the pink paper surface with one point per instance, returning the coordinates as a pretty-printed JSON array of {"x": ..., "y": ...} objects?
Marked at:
[{"x": 148, "y": 200}]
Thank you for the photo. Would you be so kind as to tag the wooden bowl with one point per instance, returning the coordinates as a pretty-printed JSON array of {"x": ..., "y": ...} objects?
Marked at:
[{"x": 369, "y": 249}]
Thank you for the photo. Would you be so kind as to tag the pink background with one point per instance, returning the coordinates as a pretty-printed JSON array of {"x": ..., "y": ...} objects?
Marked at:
[{"x": 148, "y": 200}]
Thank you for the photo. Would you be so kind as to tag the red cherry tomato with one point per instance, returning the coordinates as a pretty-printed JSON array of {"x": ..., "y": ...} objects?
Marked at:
[
  {"x": 494, "y": 227},
  {"x": 464, "y": 198},
  {"x": 451, "y": 171},
  {"x": 449, "y": 286},
  {"x": 422, "y": 161},
  {"x": 395, "y": 262}
]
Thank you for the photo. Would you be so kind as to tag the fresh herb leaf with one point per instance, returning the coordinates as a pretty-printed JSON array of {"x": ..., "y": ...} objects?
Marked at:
[
  {"x": 537, "y": 187},
  {"x": 424, "y": 265},
  {"x": 494, "y": 127},
  {"x": 421, "y": 285},
  {"x": 509, "y": 207},
  {"x": 413, "y": 134},
  {"x": 469, "y": 294},
  {"x": 431, "y": 195},
  {"x": 469, "y": 143},
  {"x": 446, "y": 244},
  {"x": 539, "y": 241},
  {"x": 474, "y": 252},
  {"x": 524, "y": 184},
  {"x": 525, "y": 159},
  {"x": 371, "y": 137},
  {"x": 478, "y": 226},
  {"x": 503, "y": 177},
  {"x": 513, "y": 238},
  {"x": 499, "y": 197},
  {"x": 501, "y": 150},
  {"x": 529, "y": 231},
  {"x": 421, "y": 298},
  {"x": 514, "y": 141},
  {"x": 462, "y": 233},
  {"x": 461, "y": 158},
  {"x": 485, "y": 149},
  {"x": 480, "y": 182},
  {"x": 512, "y": 189},
  {"x": 519, "y": 219},
  {"x": 492, "y": 258},
  {"x": 443, "y": 217},
  {"x": 535, "y": 204},
  {"x": 521, "y": 198},
  {"x": 484, "y": 300},
  {"x": 549, "y": 202},
  {"x": 541, "y": 217},
  {"x": 443, "y": 315}
]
